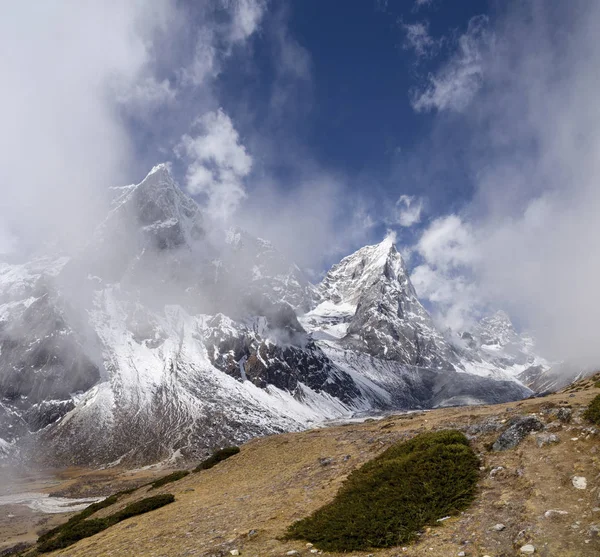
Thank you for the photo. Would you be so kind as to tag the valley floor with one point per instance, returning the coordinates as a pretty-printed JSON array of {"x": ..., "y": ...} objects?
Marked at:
[{"x": 246, "y": 502}]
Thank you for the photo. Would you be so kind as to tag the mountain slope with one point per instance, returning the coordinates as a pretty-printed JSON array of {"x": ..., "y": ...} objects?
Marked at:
[{"x": 248, "y": 501}]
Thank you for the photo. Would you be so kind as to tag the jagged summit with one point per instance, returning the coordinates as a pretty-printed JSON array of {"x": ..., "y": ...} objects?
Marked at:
[
  {"x": 370, "y": 303},
  {"x": 497, "y": 329},
  {"x": 346, "y": 281},
  {"x": 159, "y": 209}
]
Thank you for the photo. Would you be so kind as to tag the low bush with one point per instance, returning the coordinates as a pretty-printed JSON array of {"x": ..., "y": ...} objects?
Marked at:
[
  {"x": 85, "y": 513},
  {"x": 216, "y": 457},
  {"x": 592, "y": 412},
  {"x": 389, "y": 499},
  {"x": 143, "y": 506},
  {"x": 73, "y": 531},
  {"x": 170, "y": 478}
]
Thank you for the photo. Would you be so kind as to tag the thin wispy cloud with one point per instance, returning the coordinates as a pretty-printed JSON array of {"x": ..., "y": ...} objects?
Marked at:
[
  {"x": 407, "y": 211},
  {"x": 418, "y": 39},
  {"x": 422, "y": 4},
  {"x": 458, "y": 80}
]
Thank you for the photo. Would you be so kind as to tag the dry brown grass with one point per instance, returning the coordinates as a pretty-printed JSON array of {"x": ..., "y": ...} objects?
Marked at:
[{"x": 248, "y": 501}]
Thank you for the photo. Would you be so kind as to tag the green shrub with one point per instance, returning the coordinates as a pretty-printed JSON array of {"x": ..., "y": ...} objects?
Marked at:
[
  {"x": 73, "y": 531},
  {"x": 170, "y": 478},
  {"x": 592, "y": 412},
  {"x": 85, "y": 513},
  {"x": 216, "y": 457},
  {"x": 389, "y": 499},
  {"x": 143, "y": 506},
  {"x": 421, "y": 442}
]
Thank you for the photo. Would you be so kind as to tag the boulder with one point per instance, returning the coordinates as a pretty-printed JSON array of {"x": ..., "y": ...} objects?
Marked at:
[{"x": 516, "y": 432}]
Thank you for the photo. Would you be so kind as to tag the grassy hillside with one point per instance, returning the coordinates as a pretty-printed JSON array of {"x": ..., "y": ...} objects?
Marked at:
[{"x": 247, "y": 503}]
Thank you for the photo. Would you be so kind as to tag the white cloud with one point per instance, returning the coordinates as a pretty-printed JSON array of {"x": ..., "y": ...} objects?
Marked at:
[
  {"x": 63, "y": 141},
  {"x": 8, "y": 242},
  {"x": 313, "y": 220},
  {"x": 447, "y": 243},
  {"x": 422, "y": 4},
  {"x": 247, "y": 15},
  {"x": 455, "y": 84},
  {"x": 449, "y": 251},
  {"x": 407, "y": 211},
  {"x": 147, "y": 94},
  {"x": 454, "y": 298},
  {"x": 417, "y": 38},
  {"x": 217, "y": 164},
  {"x": 205, "y": 63},
  {"x": 527, "y": 242}
]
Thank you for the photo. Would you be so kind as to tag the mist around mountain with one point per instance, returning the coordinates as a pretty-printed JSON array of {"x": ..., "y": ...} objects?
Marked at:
[{"x": 166, "y": 336}]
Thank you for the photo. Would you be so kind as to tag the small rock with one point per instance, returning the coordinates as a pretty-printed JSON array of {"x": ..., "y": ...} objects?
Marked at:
[
  {"x": 546, "y": 439},
  {"x": 528, "y": 549},
  {"x": 553, "y": 513},
  {"x": 516, "y": 432},
  {"x": 314, "y": 551},
  {"x": 461, "y": 554},
  {"x": 499, "y": 527},
  {"x": 594, "y": 531},
  {"x": 234, "y": 552},
  {"x": 495, "y": 471},
  {"x": 293, "y": 552},
  {"x": 325, "y": 461},
  {"x": 579, "y": 482},
  {"x": 564, "y": 414}
]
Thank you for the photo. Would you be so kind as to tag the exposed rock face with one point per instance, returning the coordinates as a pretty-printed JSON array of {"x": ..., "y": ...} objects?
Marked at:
[
  {"x": 388, "y": 321},
  {"x": 183, "y": 337}
]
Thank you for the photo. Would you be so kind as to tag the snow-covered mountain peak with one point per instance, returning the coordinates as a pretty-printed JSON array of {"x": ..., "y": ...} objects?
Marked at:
[
  {"x": 497, "y": 329},
  {"x": 155, "y": 213},
  {"x": 347, "y": 281}
]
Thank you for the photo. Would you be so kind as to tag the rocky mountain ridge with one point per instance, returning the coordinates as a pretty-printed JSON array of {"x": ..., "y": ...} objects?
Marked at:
[{"x": 183, "y": 336}]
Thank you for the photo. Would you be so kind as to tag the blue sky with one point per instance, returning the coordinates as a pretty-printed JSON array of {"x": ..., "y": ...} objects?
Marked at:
[
  {"x": 346, "y": 111},
  {"x": 469, "y": 129}
]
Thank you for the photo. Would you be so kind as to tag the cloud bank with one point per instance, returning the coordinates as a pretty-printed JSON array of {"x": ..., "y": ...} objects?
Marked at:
[
  {"x": 63, "y": 142},
  {"x": 531, "y": 120}
]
